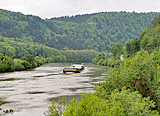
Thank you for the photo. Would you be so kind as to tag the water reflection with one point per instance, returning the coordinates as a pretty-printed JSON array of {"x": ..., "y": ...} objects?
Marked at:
[{"x": 27, "y": 92}]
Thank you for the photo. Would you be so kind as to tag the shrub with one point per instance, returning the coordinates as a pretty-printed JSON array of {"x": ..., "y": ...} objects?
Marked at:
[
  {"x": 10, "y": 65},
  {"x": 57, "y": 110},
  {"x": 124, "y": 103},
  {"x": 100, "y": 62},
  {"x": 34, "y": 64},
  {"x": 39, "y": 62},
  {"x": 94, "y": 61},
  {"x": 19, "y": 66},
  {"x": 3, "y": 66},
  {"x": 26, "y": 64}
]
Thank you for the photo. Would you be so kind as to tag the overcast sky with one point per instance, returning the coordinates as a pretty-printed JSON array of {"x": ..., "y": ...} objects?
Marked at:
[{"x": 58, "y": 8}]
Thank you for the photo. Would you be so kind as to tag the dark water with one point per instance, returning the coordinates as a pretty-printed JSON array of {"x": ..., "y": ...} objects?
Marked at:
[{"x": 29, "y": 93}]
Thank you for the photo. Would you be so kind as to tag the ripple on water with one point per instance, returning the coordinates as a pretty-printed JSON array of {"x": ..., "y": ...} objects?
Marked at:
[
  {"x": 10, "y": 79},
  {"x": 68, "y": 98},
  {"x": 75, "y": 89},
  {"x": 36, "y": 92}
]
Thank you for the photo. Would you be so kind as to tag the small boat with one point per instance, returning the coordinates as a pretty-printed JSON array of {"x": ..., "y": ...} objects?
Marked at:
[{"x": 77, "y": 68}]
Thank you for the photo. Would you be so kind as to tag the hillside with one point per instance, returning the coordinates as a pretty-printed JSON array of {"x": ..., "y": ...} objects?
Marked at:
[
  {"x": 149, "y": 39},
  {"x": 102, "y": 30},
  {"x": 98, "y": 31}
]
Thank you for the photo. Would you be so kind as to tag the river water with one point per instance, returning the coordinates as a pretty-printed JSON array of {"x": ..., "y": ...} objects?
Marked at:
[{"x": 29, "y": 93}]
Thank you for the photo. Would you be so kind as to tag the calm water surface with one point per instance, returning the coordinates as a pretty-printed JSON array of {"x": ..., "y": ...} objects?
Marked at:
[{"x": 29, "y": 93}]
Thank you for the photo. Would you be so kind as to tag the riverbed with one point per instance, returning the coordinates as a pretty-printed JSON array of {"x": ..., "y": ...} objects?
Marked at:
[{"x": 30, "y": 92}]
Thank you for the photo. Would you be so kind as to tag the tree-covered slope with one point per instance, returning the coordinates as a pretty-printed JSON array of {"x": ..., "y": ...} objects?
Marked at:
[
  {"x": 149, "y": 39},
  {"x": 33, "y": 29},
  {"x": 98, "y": 31},
  {"x": 102, "y": 30}
]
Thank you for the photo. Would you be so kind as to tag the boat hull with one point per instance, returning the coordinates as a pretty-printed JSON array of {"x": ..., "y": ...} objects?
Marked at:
[{"x": 76, "y": 70}]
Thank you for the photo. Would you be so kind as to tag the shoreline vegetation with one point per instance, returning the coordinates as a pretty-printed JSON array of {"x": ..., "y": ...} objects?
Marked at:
[{"x": 10, "y": 64}]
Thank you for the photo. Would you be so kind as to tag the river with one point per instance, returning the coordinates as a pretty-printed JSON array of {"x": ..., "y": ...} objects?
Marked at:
[{"x": 30, "y": 92}]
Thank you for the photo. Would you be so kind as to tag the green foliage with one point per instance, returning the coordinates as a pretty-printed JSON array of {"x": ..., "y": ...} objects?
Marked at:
[
  {"x": 148, "y": 39},
  {"x": 30, "y": 59},
  {"x": 105, "y": 63},
  {"x": 102, "y": 30},
  {"x": 133, "y": 46},
  {"x": 39, "y": 61},
  {"x": 89, "y": 105},
  {"x": 26, "y": 64},
  {"x": 121, "y": 103},
  {"x": 44, "y": 51},
  {"x": 98, "y": 31},
  {"x": 139, "y": 73},
  {"x": 57, "y": 110},
  {"x": 99, "y": 59},
  {"x": 26, "y": 34},
  {"x": 130, "y": 103},
  {"x": 6, "y": 64},
  {"x": 100, "y": 62},
  {"x": 155, "y": 21},
  {"x": 79, "y": 55},
  {"x": 117, "y": 50},
  {"x": 18, "y": 65}
]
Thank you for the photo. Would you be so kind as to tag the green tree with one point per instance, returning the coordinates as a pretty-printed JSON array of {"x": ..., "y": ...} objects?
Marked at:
[
  {"x": 30, "y": 59},
  {"x": 117, "y": 50}
]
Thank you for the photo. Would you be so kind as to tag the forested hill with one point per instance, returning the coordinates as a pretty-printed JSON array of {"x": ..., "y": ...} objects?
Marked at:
[
  {"x": 102, "y": 30},
  {"x": 99, "y": 31}
]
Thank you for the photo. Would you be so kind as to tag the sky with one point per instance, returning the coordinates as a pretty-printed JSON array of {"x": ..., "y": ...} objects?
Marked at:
[{"x": 58, "y": 8}]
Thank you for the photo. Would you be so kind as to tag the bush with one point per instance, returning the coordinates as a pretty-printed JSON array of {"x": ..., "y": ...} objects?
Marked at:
[
  {"x": 19, "y": 66},
  {"x": 94, "y": 61},
  {"x": 39, "y": 62},
  {"x": 3, "y": 66},
  {"x": 57, "y": 110},
  {"x": 10, "y": 65},
  {"x": 26, "y": 64},
  {"x": 140, "y": 73},
  {"x": 100, "y": 62},
  {"x": 124, "y": 103},
  {"x": 99, "y": 59},
  {"x": 34, "y": 64}
]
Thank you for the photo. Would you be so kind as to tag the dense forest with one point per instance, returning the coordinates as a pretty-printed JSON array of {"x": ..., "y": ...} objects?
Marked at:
[
  {"x": 131, "y": 87},
  {"x": 102, "y": 30},
  {"x": 98, "y": 31}
]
